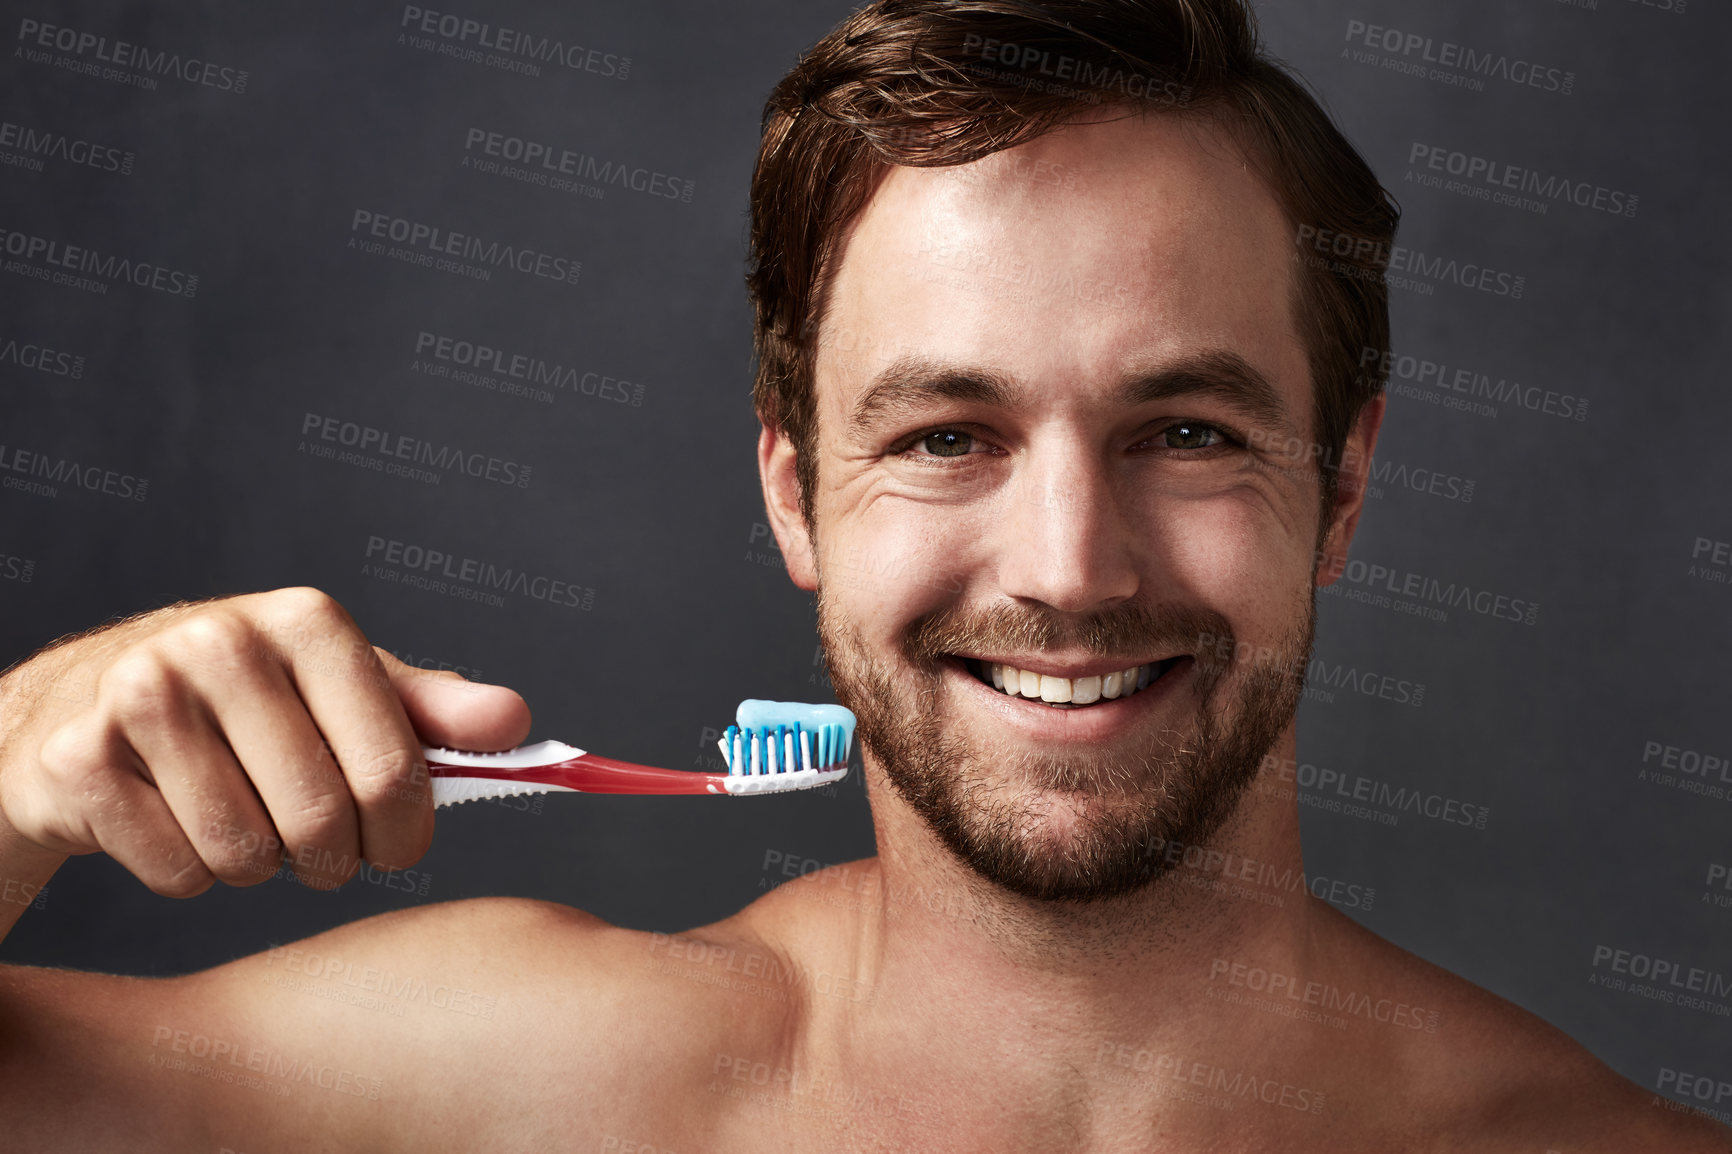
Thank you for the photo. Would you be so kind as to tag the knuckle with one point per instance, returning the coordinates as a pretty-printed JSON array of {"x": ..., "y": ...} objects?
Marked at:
[
  {"x": 218, "y": 637},
  {"x": 78, "y": 777},
  {"x": 185, "y": 879},
  {"x": 72, "y": 754},
  {"x": 139, "y": 684},
  {"x": 307, "y": 622},
  {"x": 89, "y": 789},
  {"x": 320, "y": 819},
  {"x": 238, "y": 855},
  {"x": 305, "y": 605},
  {"x": 385, "y": 773}
]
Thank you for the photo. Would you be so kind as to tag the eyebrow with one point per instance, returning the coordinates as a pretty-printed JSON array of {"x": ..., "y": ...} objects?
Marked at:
[{"x": 911, "y": 383}]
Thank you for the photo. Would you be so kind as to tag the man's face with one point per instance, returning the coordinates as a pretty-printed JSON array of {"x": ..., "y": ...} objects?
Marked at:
[{"x": 1042, "y": 383}]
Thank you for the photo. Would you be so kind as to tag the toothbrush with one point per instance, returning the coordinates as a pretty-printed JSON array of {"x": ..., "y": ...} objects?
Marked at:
[{"x": 773, "y": 747}]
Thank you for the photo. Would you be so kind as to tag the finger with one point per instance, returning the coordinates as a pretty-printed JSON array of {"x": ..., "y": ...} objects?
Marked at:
[
  {"x": 98, "y": 798},
  {"x": 303, "y": 788},
  {"x": 449, "y": 711},
  {"x": 353, "y": 703},
  {"x": 137, "y": 829},
  {"x": 278, "y": 749},
  {"x": 206, "y": 790},
  {"x": 157, "y": 706}
]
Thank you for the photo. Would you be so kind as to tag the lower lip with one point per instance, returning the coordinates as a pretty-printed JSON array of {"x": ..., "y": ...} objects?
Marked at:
[{"x": 1101, "y": 721}]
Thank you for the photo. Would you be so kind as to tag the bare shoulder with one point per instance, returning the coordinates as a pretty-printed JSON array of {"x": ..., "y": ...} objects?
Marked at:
[
  {"x": 488, "y": 1023},
  {"x": 1488, "y": 1075},
  {"x": 578, "y": 1008}
]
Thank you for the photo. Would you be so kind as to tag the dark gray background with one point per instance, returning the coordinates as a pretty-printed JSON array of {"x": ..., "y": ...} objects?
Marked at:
[{"x": 656, "y": 506}]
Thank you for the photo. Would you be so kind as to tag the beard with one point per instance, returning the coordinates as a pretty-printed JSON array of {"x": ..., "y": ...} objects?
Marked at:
[{"x": 1090, "y": 823}]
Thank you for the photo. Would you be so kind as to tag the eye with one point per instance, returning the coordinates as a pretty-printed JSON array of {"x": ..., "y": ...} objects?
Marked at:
[
  {"x": 945, "y": 443},
  {"x": 1191, "y": 435},
  {"x": 948, "y": 443}
]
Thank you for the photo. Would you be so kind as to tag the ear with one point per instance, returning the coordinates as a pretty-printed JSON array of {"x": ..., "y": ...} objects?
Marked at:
[
  {"x": 1350, "y": 481},
  {"x": 782, "y": 503}
]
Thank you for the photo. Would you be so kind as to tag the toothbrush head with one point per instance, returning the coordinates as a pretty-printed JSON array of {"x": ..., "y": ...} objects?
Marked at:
[{"x": 775, "y": 746}]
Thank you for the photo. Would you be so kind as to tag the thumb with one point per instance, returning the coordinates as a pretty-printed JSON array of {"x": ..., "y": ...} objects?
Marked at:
[{"x": 447, "y": 710}]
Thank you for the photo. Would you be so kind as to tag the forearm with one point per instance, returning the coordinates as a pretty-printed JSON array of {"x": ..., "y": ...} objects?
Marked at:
[
  {"x": 35, "y": 695},
  {"x": 25, "y": 867},
  {"x": 24, "y": 872}
]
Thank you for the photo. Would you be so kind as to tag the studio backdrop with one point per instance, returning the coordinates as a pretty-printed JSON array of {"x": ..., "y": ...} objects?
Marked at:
[{"x": 441, "y": 310}]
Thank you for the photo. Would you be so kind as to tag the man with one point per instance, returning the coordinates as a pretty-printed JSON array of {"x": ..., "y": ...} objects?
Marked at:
[{"x": 1031, "y": 396}]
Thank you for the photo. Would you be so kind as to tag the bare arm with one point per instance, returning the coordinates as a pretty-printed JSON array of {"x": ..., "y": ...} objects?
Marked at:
[
  {"x": 447, "y": 1027},
  {"x": 53, "y": 684},
  {"x": 213, "y": 741}
]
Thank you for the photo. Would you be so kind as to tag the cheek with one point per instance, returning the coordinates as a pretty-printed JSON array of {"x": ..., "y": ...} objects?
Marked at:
[
  {"x": 896, "y": 560},
  {"x": 1230, "y": 554}
]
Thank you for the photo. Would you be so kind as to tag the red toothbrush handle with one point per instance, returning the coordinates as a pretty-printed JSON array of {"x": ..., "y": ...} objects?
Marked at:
[{"x": 592, "y": 773}]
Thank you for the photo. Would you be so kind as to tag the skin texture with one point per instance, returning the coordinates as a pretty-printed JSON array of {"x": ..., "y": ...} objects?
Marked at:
[{"x": 902, "y": 1002}]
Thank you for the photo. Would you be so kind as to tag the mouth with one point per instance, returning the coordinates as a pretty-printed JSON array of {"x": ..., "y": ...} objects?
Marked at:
[{"x": 1068, "y": 692}]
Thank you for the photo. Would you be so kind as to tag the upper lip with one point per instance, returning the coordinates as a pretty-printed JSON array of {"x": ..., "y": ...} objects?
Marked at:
[{"x": 1047, "y": 665}]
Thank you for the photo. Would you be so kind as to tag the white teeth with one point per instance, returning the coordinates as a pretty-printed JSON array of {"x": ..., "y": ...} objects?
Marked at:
[{"x": 1065, "y": 690}]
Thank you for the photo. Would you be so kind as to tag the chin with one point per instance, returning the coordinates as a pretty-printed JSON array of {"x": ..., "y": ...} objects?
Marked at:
[
  {"x": 1069, "y": 845},
  {"x": 1067, "y": 804}
]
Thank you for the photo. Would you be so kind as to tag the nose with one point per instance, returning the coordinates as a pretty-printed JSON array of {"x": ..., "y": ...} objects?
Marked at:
[{"x": 1065, "y": 540}]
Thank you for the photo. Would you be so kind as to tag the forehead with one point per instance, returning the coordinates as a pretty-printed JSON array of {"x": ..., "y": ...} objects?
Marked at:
[{"x": 1062, "y": 262}]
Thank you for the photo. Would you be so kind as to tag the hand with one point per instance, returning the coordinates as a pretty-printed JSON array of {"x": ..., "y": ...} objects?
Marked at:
[{"x": 213, "y": 740}]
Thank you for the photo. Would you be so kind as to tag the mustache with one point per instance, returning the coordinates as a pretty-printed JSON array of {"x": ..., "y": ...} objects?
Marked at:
[{"x": 1129, "y": 632}]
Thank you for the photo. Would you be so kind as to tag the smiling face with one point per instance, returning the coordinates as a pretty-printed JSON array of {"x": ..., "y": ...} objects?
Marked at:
[{"x": 1067, "y": 594}]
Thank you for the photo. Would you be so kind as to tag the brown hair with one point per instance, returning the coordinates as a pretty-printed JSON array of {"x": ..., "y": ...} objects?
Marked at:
[{"x": 944, "y": 82}]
